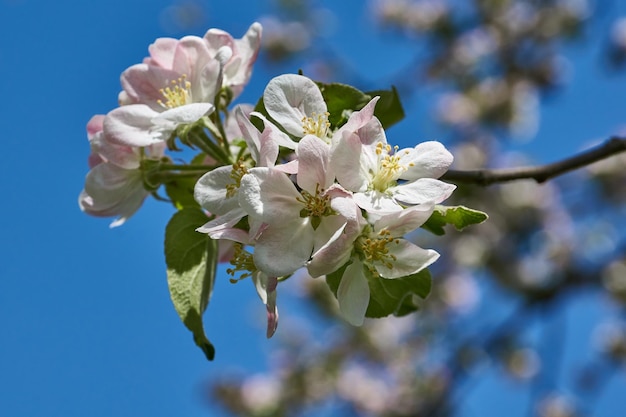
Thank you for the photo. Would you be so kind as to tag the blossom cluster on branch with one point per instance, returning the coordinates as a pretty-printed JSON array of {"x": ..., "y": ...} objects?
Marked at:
[{"x": 304, "y": 179}]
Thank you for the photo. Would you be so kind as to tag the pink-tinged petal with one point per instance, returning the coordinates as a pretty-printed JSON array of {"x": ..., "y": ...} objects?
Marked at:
[
  {"x": 271, "y": 308},
  {"x": 421, "y": 191},
  {"x": 143, "y": 84},
  {"x": 289, "y": 98},
  {"x": 268, "y": 151},
  {"x": 268, "y": 194},
  {"x": 231, "y": 125},
  {"x": 126, "y": 157},
  {"x": 210, "y": 191},
  {"x": 314, "y": 171},
  {"x": 376, "y": 202},
  {"x": 262, "y": 146},
  {"x": 283, "y": 248},
  {"x": 290, "y": 167},
  {"x": 266, "y": 289},
  {"x": 95, "y": 125},
  {"x": 187, "y": 114},
  {"x": 112, "y": 191},
  {"x": 191, "y": 53},
  {"x": 361, "y": 118},
  {"x": 222, "y": 227},
  {"x": 426, "y": 160},
  {"x": 162, "y": 52},
  {"x": 131, "y": 125},
  {"x": 332, "y": 255},
  {"x": 346, "y": 162},
  {"x": 405, "y": 221},
  {"x": 353, "y": 294},
  {"x": 246, "y": 50},
  {"x": 410, "y": 259}
]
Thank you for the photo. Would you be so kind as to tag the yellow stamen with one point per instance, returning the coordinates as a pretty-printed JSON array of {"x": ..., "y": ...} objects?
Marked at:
[
  {"x": 176, "y": 95},
  {"x": 239, "y": 170},
  {"x": 242, "y": 262},
  {"x": 375, "y": 249},
  {"x": 389, "y": 167},
  {"x": 317, "y": 125}
]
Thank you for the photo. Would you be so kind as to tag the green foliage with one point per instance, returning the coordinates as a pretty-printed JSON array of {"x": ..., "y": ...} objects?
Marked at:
[
  {"x": 459, "y": 216},
  {"x": 341, "y": 100},
  {"x": 389, "y": 108},
  {"x": 180, "y": 192},
  {"x": 191, "y": 259},
  {"x": 389, "y": 296}
]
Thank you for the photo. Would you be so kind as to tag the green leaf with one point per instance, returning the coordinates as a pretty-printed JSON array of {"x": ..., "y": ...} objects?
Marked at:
[
  {"x": 180, "y": 192},
  {"x": 396, "y": 296},
  {"x": 341, "y": 100},
  {"x": 459, "y": 216},
  {"x": 389, "y": 296},
  {"x": 191, "y": 259},
  {"x": 389, "y": 108}
]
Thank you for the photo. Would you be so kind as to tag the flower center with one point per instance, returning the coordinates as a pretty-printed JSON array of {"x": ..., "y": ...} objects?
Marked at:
[
  {"x": 242, "y": 262},
  {"x": 238, "y": 171},
  {"x": 389, "y": 167},
  {"x": 375, "y": 249},
  {"x": 316, "y": 206},
  {"x": 177, "y": 94},
  {"x": 317, "y": 125}
]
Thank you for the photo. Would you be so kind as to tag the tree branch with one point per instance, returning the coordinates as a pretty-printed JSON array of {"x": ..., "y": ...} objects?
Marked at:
[{"x": 540, "y": 173}]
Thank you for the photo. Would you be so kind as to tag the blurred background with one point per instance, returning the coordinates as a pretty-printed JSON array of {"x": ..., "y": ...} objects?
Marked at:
[{"x": 527, "y": 315}]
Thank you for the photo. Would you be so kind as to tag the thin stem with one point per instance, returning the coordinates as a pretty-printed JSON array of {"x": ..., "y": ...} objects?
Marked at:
[
  {"x": 539, "y": 173},
  {"x": 175, "y": 167},
  {"x": 202, "y": 141}
]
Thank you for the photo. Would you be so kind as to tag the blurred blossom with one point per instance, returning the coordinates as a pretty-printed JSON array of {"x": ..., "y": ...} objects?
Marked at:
[
  {"x": 523, "y": 363},
  {"x": 457, "y": 109},
  {"x": 614, "y": 279},
  {"x": 461, "y": 293},
  {"x": 283, "y": 39},
  {"x": 474, "y": 45},
  {"x": 416, "y": 15},
  {"x": 470, "y": 250},
  {"x": 468, "y": 155},
  {"x": 363, "y": 387},
  {"x": 596, "y": 239},
  {"x": 556, "y": 405},
  {"x": 618, "y": 33},
  {"x": 525, "y": 118},
  {"x": 610, "y": 339},
  {"x": 390, "y": 331},
  {"x": 183, "y": 17},
  {"x": 261, "y": 392}
]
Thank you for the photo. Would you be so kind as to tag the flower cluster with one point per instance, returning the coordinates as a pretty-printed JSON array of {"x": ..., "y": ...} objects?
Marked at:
[
  {"x": 310, "y": 195},
  {"x": 178, "y": 86},
  {"x": 282, "y": 186}
]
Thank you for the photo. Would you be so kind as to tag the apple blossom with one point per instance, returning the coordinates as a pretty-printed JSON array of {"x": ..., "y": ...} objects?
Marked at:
[
  {"x": 378, "y": 252},
  {"x": 386, "y": 179},
  {"x": 115, "y": 184}
]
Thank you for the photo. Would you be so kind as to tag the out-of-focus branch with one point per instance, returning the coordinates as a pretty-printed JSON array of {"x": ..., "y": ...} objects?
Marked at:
[{"x": 540, "y": 173}]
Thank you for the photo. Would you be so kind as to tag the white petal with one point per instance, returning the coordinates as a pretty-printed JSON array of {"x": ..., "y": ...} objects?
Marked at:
[
  {"x": 269, "y": 195},
  {"x": 404, "y": 221},
  {"x": 410, "y": 259},
  {"x": 428, "y": 159},
  {"x": 348, "y": 165},
  {"x": 284, "y": 248},
  {"x": 289, "y": 98},
  {"x": 376, "y": 202},
  {"x": 422, "y": 190},
  {"x": 131, "y": 125},
  {"x": 353, "y": 294},
  {"x": 187, "y": 114},
  {"x": 314, "y": 171},
  {"x": 210, "y": 191}
]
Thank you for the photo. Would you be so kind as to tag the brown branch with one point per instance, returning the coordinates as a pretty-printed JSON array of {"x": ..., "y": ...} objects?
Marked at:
[{"x": 539, "y": 173}]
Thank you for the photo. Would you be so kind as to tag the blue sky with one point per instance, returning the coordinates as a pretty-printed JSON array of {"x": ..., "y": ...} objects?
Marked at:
[{"x": 86, "y": 320}]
